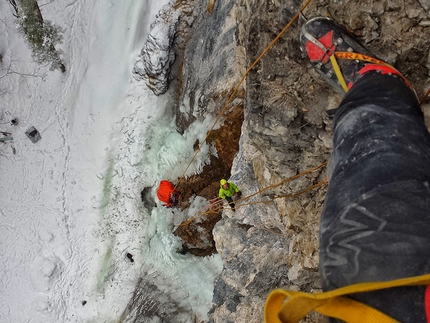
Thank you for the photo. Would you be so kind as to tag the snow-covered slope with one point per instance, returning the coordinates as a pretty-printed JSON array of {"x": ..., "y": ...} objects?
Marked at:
[{"x": 71, "y": 215}]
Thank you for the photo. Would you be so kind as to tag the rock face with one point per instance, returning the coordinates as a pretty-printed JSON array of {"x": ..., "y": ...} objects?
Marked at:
[
  {"x": 265, "y": 244},
  {"x": 271, "y": 241},
  {"x": 197, "y": 234}
]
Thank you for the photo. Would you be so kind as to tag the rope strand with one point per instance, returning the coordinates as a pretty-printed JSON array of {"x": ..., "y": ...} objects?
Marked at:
[{"x": 219, "y": 204}]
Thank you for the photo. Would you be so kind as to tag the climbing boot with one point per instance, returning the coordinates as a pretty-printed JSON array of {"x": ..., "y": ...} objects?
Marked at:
[{"x": 337, "y": 55}]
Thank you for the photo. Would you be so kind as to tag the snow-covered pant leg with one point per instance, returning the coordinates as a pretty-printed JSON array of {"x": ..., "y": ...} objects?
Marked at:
[{"x": 375, "y": 224}]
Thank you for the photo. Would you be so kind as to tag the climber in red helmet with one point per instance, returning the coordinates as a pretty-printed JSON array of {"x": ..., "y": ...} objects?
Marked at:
[{"x": 168, "y": 194}]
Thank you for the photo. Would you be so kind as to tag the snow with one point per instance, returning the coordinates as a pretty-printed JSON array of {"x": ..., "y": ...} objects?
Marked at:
[{"x": 70, "y": 207}]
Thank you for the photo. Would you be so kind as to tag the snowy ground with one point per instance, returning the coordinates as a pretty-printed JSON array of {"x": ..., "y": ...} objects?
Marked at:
[{"x": 70, "y": 204}]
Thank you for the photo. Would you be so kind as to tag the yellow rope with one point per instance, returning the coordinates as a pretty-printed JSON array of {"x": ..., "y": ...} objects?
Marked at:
[
  {"x": 230, "y": 99},
  {"x": 283, "y": 306},
  {"x": 338, "y": 73}
]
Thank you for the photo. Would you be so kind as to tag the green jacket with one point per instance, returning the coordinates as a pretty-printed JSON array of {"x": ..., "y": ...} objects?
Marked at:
[{"x": 232, "y": 189}]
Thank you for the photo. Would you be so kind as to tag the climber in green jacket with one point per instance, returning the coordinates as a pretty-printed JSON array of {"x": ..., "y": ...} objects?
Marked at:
[{"x": 227, "y": 191}]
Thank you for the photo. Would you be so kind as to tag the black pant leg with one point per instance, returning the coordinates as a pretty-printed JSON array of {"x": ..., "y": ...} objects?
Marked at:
[
  {"x": 230, "y": 202},
  {"x": 375, "y": 224}
]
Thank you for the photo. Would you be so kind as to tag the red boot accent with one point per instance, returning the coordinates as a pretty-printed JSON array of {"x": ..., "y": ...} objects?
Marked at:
[
  {"x": 316, "y": 53},
  {"x": 427, "y": 303}
]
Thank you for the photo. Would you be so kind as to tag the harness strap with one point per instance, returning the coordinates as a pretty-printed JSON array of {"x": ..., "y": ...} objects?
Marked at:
[{"x": 284, "y": 306}]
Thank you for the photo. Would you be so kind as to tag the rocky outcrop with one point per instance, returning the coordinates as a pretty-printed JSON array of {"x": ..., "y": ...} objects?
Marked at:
[
  {"x": 157, "y": 55},
  {"x": 168, "y": 35}
]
